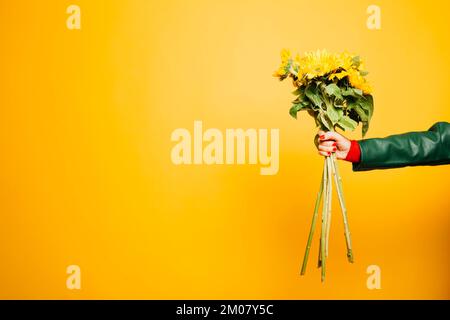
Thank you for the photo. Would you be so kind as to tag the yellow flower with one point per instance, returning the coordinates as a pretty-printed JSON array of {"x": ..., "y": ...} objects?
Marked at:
[
  {"x": 345, "y": 61},
  {"x": 358, "y": 81},
  {"x": 320, "y": 63},
  {"x": 316, "y": 64},
  {"x": 285, "y": 55},
  {"x": 338, "y": 75},
  {"x": 285, "y": 61}
]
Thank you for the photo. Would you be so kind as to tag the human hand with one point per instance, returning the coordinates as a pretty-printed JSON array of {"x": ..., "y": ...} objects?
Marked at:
[{"x": 329, "y": 142}]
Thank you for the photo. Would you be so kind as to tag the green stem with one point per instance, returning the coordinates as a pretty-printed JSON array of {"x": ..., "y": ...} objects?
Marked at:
[
  {"x": 313, "y": 224},
  {"x": 324, "y": 223},
  {"x": 340, "y": 192},
  {"x": 319, "y": 262},
  {"x": 325, "y": 177},
  {"x": 329, "y": 170}
]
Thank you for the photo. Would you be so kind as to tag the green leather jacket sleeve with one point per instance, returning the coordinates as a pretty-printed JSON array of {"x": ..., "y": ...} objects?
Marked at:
[{"x": 430, "y": 147}]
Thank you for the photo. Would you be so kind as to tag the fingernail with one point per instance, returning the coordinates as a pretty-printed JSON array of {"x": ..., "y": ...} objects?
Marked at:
[
  {"x": 322, "y": 136},
  {"x": 334, "y": 149},
  {"x": 329, "y": 153},
  {"x": 334, "y": 144}
]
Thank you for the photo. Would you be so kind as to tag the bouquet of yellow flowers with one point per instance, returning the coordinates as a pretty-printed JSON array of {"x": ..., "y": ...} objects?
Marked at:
[{"x": 333, "y": 89}]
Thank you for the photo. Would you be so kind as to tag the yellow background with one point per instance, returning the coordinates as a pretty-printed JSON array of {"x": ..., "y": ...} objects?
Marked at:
[{"x": 85, "y": 170}]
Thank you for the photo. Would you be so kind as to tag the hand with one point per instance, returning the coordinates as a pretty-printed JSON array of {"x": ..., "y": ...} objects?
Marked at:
[{"x": 329, "y": 142}]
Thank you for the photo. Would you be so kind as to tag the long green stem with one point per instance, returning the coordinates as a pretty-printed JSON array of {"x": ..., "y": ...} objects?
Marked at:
[
  {"x": 329, "y": 170},
  {"x": 313, "y": 225},
  {"x": 324, "y": 177},
  {"x": 319, "y": 262},
  {"x": 340, "y": 192},
  {"x": 324, "y": 223}
]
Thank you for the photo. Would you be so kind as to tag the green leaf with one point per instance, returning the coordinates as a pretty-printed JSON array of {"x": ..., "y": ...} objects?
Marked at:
[
  {"x": 357, "y": 91},
  {"x": 298, "y": 92},
  {"x": 366, "y": 102},
  {"x": 365, "y": 128},
  {"x": 356, "y": 60},
  {"x": 306, "y": 104},
  {"x": 347, "y": 92},
  {"x": 295, "y": 109},
  {"x": 293, "y": 112},
  {"x": 364, "y": 73},
  {"x": 332, "y": 114},
  {"x": 361, "y": 112},
  {"x": 333, "y": 90},
  {"x": 312, "y": 93},
  {"x": 325, "y": 121},
  {"x": 352, "y": 92},
  {"x": 347, "y": 123}
]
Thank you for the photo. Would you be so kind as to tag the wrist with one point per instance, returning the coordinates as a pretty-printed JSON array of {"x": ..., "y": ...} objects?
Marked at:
[{"x": 354, "y": 153}]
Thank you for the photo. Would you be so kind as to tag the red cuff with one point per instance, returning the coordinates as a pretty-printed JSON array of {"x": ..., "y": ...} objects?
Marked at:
[{"x": 354, "y": 154}]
